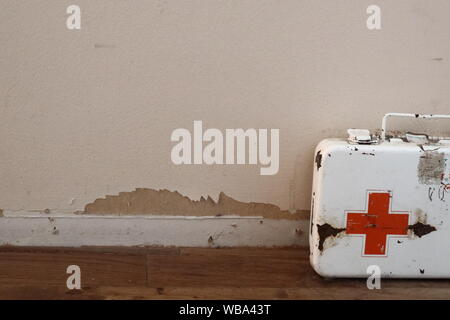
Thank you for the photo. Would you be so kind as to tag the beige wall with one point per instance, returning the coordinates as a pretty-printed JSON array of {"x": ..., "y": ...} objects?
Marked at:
[{"x": 88, "y": 113}]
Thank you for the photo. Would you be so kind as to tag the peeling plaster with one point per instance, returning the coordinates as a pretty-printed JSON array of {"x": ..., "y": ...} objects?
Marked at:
[{"x": 165, "y": 202}]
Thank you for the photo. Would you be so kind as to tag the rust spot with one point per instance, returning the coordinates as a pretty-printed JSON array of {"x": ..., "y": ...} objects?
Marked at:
[
  {"x": 1, "y": 213},
  {"x": 165, "y": 202},
  {"x": 325, "y": 231},
  {"x": 420, "y": 229},
  {"x": 319, "y": 160}
]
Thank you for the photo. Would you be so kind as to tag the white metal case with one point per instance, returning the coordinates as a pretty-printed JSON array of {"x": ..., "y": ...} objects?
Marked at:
[{"x": 381, "y": 202}]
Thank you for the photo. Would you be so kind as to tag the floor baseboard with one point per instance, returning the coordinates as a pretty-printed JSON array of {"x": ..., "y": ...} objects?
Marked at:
[{"x": 76, "y": 230}]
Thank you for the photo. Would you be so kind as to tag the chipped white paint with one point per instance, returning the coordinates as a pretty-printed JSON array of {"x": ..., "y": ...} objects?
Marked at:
[{"x": 74, "y": 230}]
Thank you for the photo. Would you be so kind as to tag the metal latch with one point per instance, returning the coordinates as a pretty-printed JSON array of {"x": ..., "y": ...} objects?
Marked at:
[
  {"x": 360, "y": 136},
  {"x": 418, "y": 138}
]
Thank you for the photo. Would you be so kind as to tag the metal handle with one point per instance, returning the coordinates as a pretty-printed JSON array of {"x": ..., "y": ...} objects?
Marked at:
[{"x": 409, "y": 115}]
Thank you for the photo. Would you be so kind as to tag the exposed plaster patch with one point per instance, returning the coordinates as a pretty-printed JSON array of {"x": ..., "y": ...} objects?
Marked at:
[{"x": 165, "y": 202}]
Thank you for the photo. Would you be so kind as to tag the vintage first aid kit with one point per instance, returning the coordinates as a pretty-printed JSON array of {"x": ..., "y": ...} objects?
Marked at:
[{"x": 384, "y": 202}]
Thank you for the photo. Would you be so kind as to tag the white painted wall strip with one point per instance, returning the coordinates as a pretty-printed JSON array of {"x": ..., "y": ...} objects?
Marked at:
[{"x": 72, "y": 230}]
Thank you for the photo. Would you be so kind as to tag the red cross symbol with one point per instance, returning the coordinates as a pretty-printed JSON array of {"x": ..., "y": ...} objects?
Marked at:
[{"x": 377, "y": 223}]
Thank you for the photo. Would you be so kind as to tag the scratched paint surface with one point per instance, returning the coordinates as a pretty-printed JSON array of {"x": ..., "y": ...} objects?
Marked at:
[{"x": 431, "y": 167}]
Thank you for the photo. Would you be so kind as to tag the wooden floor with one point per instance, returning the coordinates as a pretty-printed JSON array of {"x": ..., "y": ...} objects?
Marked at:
[{"x": 188, "y": 273}]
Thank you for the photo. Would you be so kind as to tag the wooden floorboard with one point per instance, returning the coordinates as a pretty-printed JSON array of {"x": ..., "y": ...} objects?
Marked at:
[{"x": 188, "y": 273}]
